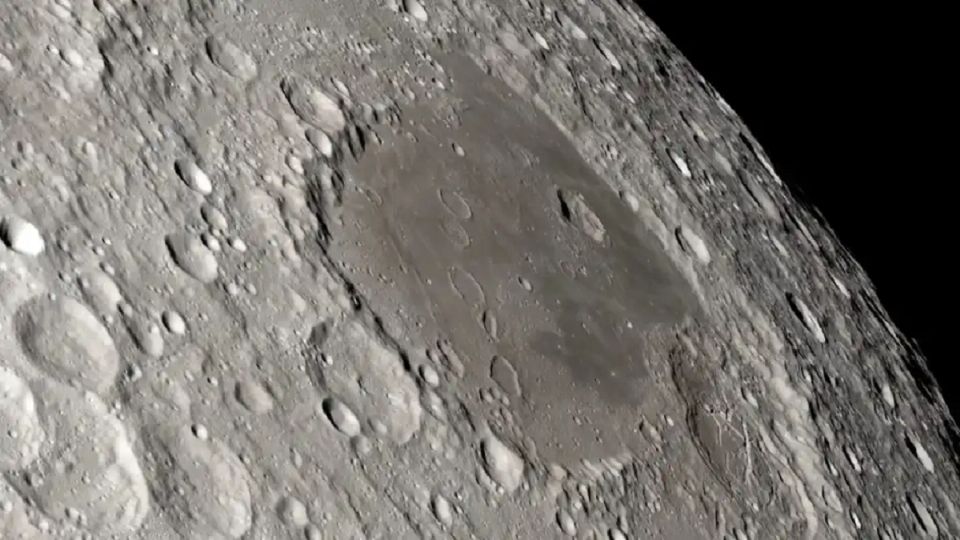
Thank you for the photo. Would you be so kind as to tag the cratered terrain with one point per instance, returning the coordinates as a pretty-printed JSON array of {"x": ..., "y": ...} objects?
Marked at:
[{"x": 408, "y": 269}]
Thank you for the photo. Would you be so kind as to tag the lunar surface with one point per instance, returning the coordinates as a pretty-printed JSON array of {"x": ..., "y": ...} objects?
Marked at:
[{"x": 330, "y": 269}]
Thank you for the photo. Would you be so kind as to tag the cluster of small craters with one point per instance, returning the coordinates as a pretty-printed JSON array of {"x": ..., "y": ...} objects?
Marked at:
[{"x": 181, "y": 355}]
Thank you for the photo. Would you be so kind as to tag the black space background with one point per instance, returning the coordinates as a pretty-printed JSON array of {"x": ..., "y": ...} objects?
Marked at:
[{"x": 852, "y": 106}]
